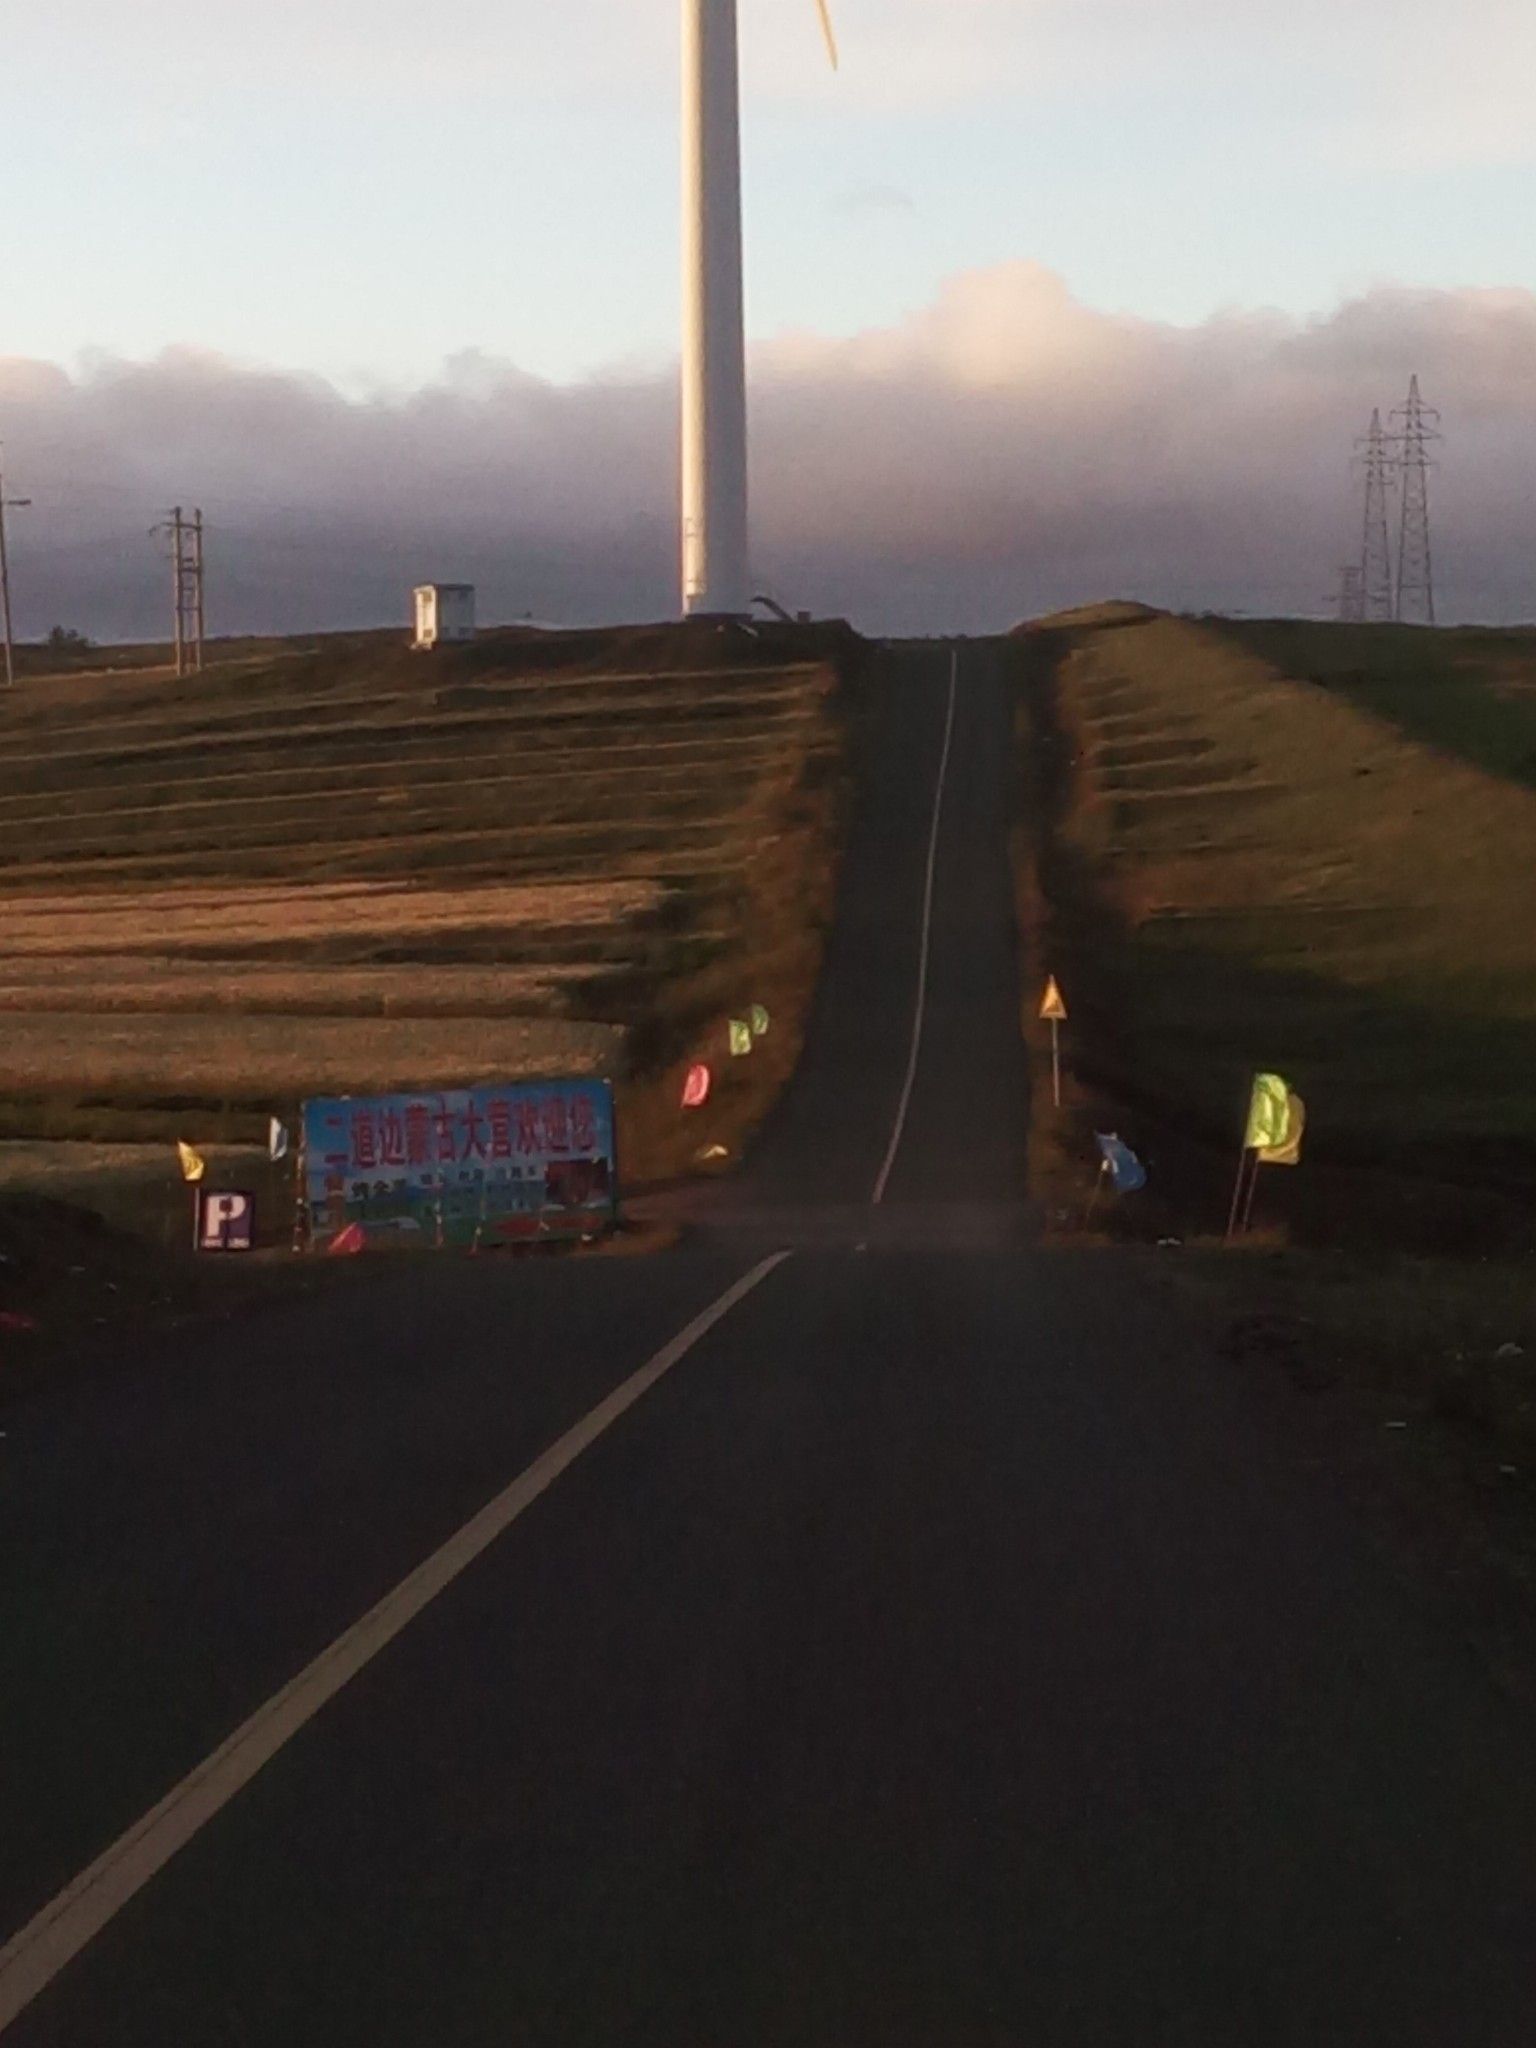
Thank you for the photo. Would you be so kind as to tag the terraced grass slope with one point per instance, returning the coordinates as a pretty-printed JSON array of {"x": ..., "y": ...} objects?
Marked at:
[
  {"x": 1307, "y": 848},
  {"x": 353, "y": 866}
]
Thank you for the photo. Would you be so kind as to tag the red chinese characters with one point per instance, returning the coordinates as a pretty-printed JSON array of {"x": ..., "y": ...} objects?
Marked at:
[
  {"x": 465, "y": 1129},
  {"x": 499, "y": 1114},
  {"x": 530, "y": 1133},
  {"x": 391, "y": 1138},
  {"x": 363, "y": 1142},
  {"x": 419, "y": 1149},
  {"x": 557, "y": 1124}
]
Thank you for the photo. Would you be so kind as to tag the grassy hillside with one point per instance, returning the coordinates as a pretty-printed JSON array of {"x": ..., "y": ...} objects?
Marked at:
[
  {"x": 348, "y": 866},
  {"x": 1299, "y": 847},
  {"x": 1469, "y": 692}
]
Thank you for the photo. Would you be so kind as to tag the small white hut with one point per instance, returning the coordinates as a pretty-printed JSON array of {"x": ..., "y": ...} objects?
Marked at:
[{"x": 444, "y": 612}]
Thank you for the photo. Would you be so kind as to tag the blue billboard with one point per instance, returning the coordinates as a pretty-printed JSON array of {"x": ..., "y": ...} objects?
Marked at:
[{"x": 500, "y": 1164}]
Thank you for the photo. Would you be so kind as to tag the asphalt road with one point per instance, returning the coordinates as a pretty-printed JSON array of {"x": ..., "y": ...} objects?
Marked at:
[{"x": 944, "y": 1651}]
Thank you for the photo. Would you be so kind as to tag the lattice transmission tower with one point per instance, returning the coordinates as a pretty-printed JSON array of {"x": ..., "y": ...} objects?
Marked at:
[
  {"x": 1416, "y": 424},
  {"x": 1351, "y": 597},
  {"x": 1378, "y": 463}
]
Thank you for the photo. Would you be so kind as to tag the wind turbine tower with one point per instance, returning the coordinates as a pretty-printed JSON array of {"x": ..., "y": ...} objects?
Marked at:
[{"x": 715, "y": 556}]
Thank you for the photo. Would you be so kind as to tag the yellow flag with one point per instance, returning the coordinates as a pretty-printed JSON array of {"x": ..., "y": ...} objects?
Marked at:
[
  {"x": 1053, "y": 1009},
  {"x": 193, "y": 1164},
  {"x": 1288, "y": 1153},
  {"x": 1269, "y": 1113}
]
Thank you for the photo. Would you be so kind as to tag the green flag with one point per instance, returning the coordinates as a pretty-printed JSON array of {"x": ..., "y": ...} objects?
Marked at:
[
  {"x": 1269, "y": 1114},
  {"x": 1288, "y": 1153},
  {"x": 759, "y": 1020},
  {"x": 741, "y": 1038}
]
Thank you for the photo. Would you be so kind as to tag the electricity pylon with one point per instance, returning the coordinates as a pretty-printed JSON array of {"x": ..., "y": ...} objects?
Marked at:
[
  {"x": 1376, "y": 596},
  {"x": 1351, "y": 594},
  {"x": 1417, "y": 425}
]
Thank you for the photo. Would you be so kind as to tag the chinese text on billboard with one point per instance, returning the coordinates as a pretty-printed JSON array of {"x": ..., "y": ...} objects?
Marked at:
[{"x": 462, "y": 1166}]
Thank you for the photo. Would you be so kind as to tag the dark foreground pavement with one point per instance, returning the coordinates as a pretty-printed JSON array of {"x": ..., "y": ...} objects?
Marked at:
[{"x": 944, "y": 1652}]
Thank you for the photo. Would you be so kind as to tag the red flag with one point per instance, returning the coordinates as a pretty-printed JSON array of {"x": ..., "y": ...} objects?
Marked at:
[{"x": 696, "y": 1087}]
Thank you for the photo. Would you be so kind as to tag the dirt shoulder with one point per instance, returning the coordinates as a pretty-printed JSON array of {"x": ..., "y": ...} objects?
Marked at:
[{"x": 75, "y": 1288}]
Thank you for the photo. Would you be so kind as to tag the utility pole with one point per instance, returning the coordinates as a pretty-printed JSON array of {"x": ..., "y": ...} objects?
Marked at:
[
  {"x": 197, "y": 589},
  {"x": 1420, "y": 424},
  {"x": 5, "y": 584},
  {"x": 187, "y": 587},
  {"x": 1376, "y": 546},
  {"x": 178, "y": 577}
]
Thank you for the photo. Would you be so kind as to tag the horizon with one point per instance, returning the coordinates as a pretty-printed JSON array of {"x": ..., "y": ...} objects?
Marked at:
[{"x": 1098, "y": 231}]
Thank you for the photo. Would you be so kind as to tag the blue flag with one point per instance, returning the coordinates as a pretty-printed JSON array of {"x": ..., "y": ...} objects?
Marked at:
[{"x": 1125, "y": 1169}]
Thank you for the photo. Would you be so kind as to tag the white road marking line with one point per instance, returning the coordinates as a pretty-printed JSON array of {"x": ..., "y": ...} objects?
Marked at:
[
  {"x": 922, "y": 960},
  {"x": 47, "y": 1944}
]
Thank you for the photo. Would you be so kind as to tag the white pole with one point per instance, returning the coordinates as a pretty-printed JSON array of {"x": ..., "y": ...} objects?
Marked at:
[{"x": 716, "y": 577}]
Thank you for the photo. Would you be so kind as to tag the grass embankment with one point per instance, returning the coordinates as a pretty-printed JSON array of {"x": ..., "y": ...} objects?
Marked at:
[
  {"x": 1307, "y": 848},
  {"x": 1470, "y": 692},
  {"x": 352, "y": 867},
  {"x": 1242, "y": 869}
]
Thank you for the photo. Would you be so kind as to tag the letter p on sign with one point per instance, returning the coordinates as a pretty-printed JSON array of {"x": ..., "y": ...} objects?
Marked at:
[{"x": 225, "y": 1222}]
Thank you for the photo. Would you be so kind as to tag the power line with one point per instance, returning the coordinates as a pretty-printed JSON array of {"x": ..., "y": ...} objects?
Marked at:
[{"x": 1420, "y": 424}]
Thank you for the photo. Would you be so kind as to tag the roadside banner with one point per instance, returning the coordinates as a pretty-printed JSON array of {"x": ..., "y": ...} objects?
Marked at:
[
  {"x": 1272, "y": 1136},
  {"x": 759, "y": 1019},
  {"x": 1125, "y": 1170},
  {"x": 277, "y": 1139},
  {"x": 193, "y": 1164},
  {"x": 1288, "y": 1151},
  {"x": 464, "y": 1167},
  {"x": 1269, "y": 1114},
  {"x": 741, "y": 1038}
]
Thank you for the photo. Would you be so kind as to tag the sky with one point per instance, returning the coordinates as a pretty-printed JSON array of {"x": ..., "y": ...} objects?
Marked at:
[{"x": 392, "y": 292}]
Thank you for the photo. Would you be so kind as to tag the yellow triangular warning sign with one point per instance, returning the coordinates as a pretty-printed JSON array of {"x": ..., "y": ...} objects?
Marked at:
[{"x": 1052, "y": 1009}]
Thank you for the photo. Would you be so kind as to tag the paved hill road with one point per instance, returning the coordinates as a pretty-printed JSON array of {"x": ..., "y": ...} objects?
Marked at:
[{"x": 934, "y": 1649}]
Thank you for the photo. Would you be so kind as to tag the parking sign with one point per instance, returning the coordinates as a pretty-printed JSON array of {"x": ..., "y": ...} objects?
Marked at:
[{"x": 226, "y": 1222}]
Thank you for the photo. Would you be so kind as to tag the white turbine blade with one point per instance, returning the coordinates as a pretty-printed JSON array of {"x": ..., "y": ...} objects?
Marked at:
[{"x": 826, "y": 28}]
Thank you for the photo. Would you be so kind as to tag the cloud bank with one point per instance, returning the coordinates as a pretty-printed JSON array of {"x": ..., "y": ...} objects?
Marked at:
[{"x": 1003, "y": 450}]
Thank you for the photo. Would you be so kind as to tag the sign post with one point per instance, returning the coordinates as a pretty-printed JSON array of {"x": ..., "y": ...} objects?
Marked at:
[{"x": 1053, "y": 1011}]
